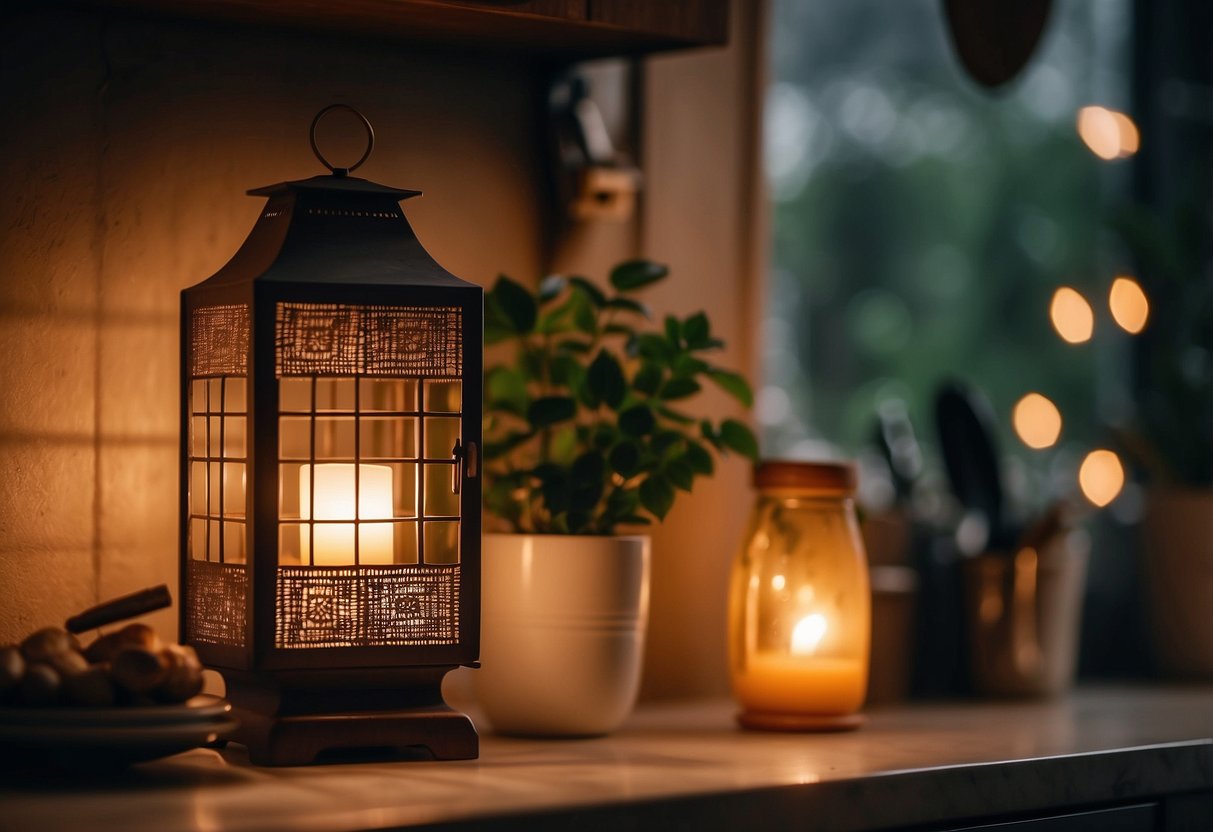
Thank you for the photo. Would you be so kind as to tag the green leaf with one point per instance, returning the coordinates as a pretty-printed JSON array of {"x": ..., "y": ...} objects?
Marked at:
[
  {"x": 629, "y": 305},
  {"x": 515, "y": 303},
  {"x": 688, "y": 365},
  {"x": 585, "y": 315},
  {"x": 636, "y": 273},
  {"x": 637, "y": 420},
  {"x": 605, "y": 380},
  {"x": 564, "y": 444},
  {"x": 680, "y": 388},
  {"x": 565, "y": 370},
  {"x": 619, "y": 329},
  {"x": 675, "y": 416},
  {"x": 680, "y": 474},
  {"x": 737, "y": 437},
  {"x": 586, "y": 482},
  {"x": 709, "y": 433},
  {"x": 657, "y": 495},
  {"x": 625, "y": 459},
  {"x": 574, "y": 346},
  {"x": 505, "y": 388},
  {"x": 648, "y": 378},
  {"x": 673, "y": 331},
  {"x": 595, "y": 295},
  {"x": 551, "y": 287},
  {"x": 733, "y": 384},
  {"x": 549, "y": 410},
  {"x": 556, "y": 320},
  {"x": 699, "y": 459},
  {"x": 654, "y": 347},
  {"x": 665, "y": 440},
  {"x": 604, "y": 436},
  {"x": 576, "y": 521},
  {"x": 696, "y": 330}
]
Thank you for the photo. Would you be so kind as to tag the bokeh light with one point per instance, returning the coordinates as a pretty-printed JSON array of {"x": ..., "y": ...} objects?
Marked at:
[
  {"x": 1071, "y": 316},
  {"x": 1101, "y": 477},
  {"x": 1037, "y": 421},
  {"x": 1109, "y": 134},
  {"x": 1128, "y": 304}
]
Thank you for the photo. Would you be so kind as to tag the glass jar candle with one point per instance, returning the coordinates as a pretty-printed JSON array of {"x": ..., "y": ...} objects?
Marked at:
[{"x": 799, "y": 602}]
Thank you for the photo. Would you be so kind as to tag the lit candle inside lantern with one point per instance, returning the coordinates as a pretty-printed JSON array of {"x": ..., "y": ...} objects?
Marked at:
[
  {"x": 334, "y": 490},
  {"x": 800, "y": 681}
]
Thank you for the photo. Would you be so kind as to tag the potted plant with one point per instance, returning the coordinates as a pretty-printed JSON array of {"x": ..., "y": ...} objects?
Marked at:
[
  {"x": 586, "y": 435},
  {"x": 1172, "y": 436}
]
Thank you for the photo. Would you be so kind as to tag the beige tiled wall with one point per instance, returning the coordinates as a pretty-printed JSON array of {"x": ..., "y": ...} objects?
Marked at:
[{"x": 124, "y": 158}]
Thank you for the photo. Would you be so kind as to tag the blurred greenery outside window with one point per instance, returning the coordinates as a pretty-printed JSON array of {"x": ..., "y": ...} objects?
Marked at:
[{"x": 922, "y": 224}]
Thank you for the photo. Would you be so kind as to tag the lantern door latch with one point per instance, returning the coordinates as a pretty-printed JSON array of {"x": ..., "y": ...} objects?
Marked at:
[{"x": 467, "y": 463}]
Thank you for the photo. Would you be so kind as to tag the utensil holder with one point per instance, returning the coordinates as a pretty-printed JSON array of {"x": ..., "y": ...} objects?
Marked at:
[{"x": 1023, "y": 612}]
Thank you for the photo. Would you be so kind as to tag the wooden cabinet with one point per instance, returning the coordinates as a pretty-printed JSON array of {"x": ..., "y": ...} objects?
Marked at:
[{"x": 561, "y": 29}]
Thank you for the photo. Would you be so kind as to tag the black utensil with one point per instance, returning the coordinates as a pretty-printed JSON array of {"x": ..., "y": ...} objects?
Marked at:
[{"x": 966, "y": 434}]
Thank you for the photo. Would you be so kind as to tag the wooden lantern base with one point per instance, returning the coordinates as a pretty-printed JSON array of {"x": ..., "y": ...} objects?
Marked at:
[{"x": 348, "y": 715}]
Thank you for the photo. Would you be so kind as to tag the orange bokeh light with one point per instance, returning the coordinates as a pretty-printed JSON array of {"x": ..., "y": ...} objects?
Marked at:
[
  {"x": 1071, "y": 316},
  {"x": 1128, "y": 303},
  {"x": 1109, "y": 134},
  {"x": 1037, "y": 421},
  {"x": 1101, "y": 477}
]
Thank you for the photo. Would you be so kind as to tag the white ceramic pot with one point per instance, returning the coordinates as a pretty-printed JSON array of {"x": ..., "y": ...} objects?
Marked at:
[
  {"x": 563, "y": 620},
  {"x": 1178, "y": 552}
]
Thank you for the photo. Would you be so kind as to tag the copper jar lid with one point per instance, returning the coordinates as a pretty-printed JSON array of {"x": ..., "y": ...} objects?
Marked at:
[{"x": 818, "y": 477}]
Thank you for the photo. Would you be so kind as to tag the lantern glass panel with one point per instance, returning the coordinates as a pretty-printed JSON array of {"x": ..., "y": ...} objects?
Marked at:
[
  {"x": 441, "y": 542},
  {"x": 234, "y": 542},
  {"x": 295, "y": 395},
  {"x": 387, "y": 394},
  {"x": 441, "y": 500},
  {"x": 335, "y": 394},
  {"x": 388, "y": 437},
  {"x": 441, "y": 434},
  {"x": 444, "y": 396},
  {"x": 234, "y": 437}
]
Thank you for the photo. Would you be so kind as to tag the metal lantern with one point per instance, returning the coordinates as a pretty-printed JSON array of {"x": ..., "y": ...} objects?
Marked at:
[{"x": 330, "y": 488}]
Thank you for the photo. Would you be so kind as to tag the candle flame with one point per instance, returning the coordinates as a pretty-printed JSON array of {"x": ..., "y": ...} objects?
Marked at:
[{"x": 807, "y": 634}]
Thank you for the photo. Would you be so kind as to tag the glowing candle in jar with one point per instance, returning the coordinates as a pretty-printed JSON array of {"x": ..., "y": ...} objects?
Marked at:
[
  {"x": 334, "y": 490},
  {"x": 800, "y": 681},
  {"x": 799, "y": 603}
]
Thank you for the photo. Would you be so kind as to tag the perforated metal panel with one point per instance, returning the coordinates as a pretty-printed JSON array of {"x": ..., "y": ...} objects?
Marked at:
[
  {"x": 338, "y": 339},
  {"x": 363, "y": 606}
]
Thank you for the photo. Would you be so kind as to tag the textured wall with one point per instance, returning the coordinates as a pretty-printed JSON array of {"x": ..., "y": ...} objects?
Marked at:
[{"x": 126, "y": 152}]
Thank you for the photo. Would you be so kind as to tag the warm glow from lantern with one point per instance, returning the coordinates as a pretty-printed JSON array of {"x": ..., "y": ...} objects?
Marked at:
[
  {"x": 1109, "y": 134},
  {"x": 335, "y": 501},
  {"x": 807, "y": 633},
  {"x": 1101, "y": 477},
  {"x": 1072, "y": 316},
  {"x": 1037, "y": 421},
  {"x": 1128, "y": 304}
]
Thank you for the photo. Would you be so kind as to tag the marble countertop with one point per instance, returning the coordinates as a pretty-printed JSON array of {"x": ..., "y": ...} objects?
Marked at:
[{"x": 686, "y": 765}]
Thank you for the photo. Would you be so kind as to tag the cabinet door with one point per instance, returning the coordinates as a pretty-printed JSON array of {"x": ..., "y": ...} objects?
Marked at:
[{"x": 693, "y": 21}]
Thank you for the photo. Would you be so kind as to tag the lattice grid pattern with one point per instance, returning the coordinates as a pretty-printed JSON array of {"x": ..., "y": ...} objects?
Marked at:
[
  {"x": 219, "y": 340},
  {"x": 218, "y": 603},
  {"x": 338, "y": 339},
  {"x": 396, "y": 606}
]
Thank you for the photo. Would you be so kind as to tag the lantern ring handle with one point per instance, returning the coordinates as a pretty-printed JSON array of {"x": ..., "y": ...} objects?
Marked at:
[{"x": 370, "y": 138}]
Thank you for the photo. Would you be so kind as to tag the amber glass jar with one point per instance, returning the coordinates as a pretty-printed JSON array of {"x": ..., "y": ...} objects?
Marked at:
[{"x": 799, "y": 602}]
